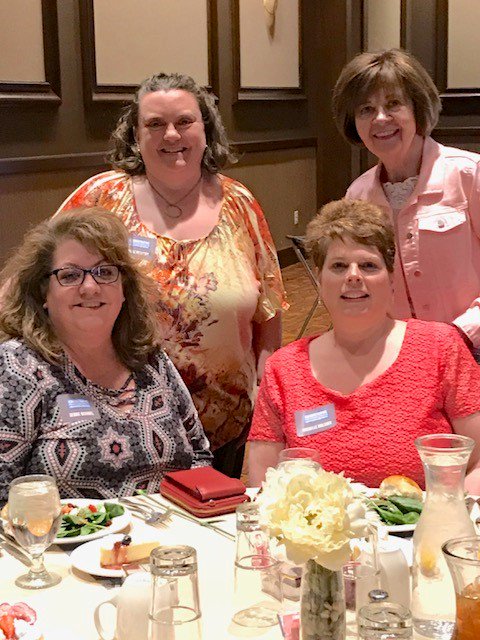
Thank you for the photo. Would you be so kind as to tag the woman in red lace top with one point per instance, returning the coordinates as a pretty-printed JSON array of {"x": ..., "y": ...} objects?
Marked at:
[{"x": 362, "y": 392}]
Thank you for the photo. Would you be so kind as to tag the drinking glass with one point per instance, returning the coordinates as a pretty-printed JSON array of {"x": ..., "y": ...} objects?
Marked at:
[
  {"x": 358, "y": 580},
  {"x": 384, "y": 621},
  {"x": 463, "y": 560},
  {"x": 258, "y": 592},
  {"x": 34, "y": 512},
  {"x": 175, "y": 608},
  {"x": 300, "y": 454},
  {"x": 250, "y": 538}
]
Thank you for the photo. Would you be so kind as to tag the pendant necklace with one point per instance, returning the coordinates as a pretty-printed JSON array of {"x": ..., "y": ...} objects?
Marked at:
[{"x": 172, "y": 209}]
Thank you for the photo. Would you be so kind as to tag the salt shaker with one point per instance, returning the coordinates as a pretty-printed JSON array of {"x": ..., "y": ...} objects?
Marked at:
[
  {"x": 177, "y": 615},
  {"x": 384, "y": 620}
]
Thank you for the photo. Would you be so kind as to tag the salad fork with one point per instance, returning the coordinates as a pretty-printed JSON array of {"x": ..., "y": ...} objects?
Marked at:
[{"x": 150, "y": 516}]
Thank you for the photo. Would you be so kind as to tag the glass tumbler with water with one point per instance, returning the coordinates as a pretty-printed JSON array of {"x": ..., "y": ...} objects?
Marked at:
[
  {"x": 175, "y": 609},
  {"x": 300, "y": 455},
  {"x": 444, "y": 515},
  {"x": 34, "y": 512}
]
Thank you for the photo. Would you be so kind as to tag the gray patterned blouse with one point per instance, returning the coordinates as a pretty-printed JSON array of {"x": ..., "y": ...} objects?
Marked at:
[{"x": 111, "y": 455}]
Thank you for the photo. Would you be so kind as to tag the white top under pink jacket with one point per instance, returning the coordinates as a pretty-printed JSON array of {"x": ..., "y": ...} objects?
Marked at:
[{"x": 437, "y": 266}]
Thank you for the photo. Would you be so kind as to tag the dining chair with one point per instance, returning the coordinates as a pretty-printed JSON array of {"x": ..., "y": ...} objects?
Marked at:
[{"x": 298, "y": 243}]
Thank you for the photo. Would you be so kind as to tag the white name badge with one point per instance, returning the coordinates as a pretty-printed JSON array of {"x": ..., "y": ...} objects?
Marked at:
[
  {"x": 75, "y": 408},
  {"x": 313, "y": 421},
  {"x": 142, "y": 246}
]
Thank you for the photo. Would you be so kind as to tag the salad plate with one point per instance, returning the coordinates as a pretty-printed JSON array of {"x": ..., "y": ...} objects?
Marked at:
[
  {"x": 391, "y": 528},
  {"x": 117, "y": 522},
  {"x": 410, "y": 528}
]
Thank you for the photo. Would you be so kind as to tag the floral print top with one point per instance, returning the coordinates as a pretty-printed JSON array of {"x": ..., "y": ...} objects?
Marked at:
[
  {"x": 111, "y": 454},
  {"x": 211, "y": 291}
]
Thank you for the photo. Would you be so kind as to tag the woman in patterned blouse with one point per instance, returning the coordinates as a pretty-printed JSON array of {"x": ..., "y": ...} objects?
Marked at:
[
  {"x": 86, "y": 393},
  {"x": 207, "y": 245}
]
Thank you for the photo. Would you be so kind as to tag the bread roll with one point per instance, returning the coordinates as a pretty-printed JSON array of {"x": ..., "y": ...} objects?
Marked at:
[{"x": 400, "y": 486}]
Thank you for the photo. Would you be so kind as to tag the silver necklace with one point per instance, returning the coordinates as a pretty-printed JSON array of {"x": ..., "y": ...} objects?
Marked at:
[{"x": 172, "y": 209}]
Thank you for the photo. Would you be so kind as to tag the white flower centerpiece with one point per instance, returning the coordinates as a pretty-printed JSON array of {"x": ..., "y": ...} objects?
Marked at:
[{"x": 314, "y": 514}]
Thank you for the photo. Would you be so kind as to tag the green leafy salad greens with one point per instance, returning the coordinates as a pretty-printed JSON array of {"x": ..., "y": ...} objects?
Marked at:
[
  {"x": 397, "y": 509},
  {"x": 82, "y": 521}
]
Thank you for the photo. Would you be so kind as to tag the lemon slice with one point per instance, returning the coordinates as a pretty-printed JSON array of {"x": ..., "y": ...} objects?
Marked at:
[
  {"x": 40, "y": 526},
  {"x": 428, "y": 561}
]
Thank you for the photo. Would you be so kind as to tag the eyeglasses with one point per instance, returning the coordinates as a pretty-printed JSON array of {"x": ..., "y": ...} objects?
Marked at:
[{"x": 74, "y": 276}]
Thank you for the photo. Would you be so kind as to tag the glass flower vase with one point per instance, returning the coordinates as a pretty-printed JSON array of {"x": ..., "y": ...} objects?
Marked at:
[
  {"x": 322, "y": 604},
  {"x": 444, "y": 516}
]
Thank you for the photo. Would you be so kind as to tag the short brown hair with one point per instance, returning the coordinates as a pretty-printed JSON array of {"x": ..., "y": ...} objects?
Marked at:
[
  {"x": 359, "y": 220},
  {"x": 24, "y": 281},
  {"x": 392, "y": 68},
  {"x": 125, "y": 154}
]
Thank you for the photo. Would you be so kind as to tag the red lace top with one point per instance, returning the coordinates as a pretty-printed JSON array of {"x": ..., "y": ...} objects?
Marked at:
[{"x": 433, "y": 380}]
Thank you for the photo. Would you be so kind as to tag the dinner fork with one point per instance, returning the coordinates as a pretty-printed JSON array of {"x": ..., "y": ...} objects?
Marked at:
[
  {"x": 150, "y": 516},
  {"x": 208, "y": 524}
]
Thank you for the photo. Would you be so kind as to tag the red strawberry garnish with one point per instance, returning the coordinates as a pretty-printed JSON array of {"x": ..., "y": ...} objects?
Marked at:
[{"x": 7, "y": 626}]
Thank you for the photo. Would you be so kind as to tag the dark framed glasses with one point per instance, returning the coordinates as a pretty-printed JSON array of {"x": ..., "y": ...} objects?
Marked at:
[{"x": 74, "y": 276}]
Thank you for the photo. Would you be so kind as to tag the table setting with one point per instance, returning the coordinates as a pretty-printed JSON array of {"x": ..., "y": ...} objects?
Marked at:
[{"x": 302, "y": 549}]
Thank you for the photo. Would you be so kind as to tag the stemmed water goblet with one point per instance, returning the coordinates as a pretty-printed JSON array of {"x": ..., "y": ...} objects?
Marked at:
[{"x": 34, "y": 512}]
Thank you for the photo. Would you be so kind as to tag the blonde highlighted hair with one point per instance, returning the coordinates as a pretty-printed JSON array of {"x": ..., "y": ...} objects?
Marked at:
[
  {"x": 358, "y": 220},
  {"x": 24, "y": 282}
]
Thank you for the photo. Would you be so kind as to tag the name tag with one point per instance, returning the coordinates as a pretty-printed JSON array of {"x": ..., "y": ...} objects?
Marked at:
[
  {"x": 76, "y": 408},
  {"x": 142, "y": 246},
  {"x": 315, "y": 420}
]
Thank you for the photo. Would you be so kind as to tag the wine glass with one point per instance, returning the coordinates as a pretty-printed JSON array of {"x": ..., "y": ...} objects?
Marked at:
[{"x": 34, "y": 512}]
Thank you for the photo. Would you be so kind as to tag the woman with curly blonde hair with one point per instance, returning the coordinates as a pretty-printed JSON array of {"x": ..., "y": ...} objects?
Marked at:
[
  {"x": 208, "y": 246},
  {"x": 86, "y": 393}
]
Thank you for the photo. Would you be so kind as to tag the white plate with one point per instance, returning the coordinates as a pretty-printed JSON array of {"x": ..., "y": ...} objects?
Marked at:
[
  {"x": 118, "y": 523},
  {"x": 87, "y": 558},
  {"x": 391, "y": 528}
]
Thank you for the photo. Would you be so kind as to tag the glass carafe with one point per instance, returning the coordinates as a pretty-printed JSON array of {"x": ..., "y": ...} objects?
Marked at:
[
  {"x": 444, "y": 515},
  {"x": 463, "y": 559}
]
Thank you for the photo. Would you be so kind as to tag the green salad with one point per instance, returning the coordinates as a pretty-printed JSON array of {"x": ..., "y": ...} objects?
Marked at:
[
  {"x": 82, "y": 521},
  {"x": 397, "y": 509}
]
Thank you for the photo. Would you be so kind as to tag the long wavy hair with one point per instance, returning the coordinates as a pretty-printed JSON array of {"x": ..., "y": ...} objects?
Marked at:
[
  {"x": 125, "y": 154},
  {"x": 24, "y": 284}
]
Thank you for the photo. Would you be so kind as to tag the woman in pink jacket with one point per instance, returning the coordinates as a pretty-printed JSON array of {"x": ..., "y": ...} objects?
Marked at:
[{"x": 387, "y": 101}]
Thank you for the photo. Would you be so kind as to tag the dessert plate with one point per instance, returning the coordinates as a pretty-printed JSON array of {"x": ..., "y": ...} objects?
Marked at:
[
  {"x": 118, "y": 523},
  {"x": 86, "y": 558}
]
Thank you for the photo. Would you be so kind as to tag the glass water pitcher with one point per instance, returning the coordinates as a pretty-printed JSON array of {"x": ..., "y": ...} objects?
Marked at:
[{"x": 444, "y": 515}]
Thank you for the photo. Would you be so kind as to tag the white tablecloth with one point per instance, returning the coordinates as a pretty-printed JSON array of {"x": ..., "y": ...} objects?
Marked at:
[{"x": 66, "y": 610}]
